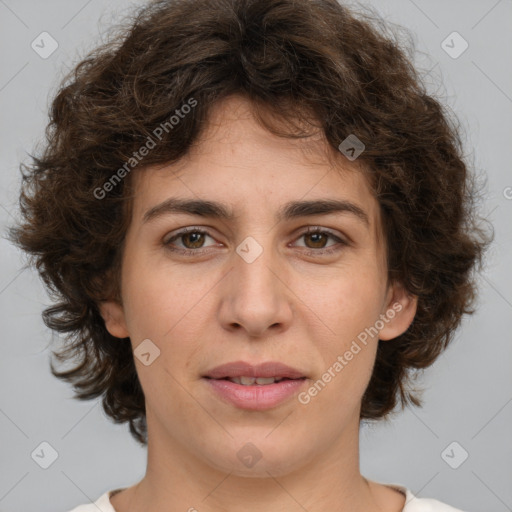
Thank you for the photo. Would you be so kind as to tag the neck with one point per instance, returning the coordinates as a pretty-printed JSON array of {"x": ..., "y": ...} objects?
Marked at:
[{"x": 177, "y": 479}]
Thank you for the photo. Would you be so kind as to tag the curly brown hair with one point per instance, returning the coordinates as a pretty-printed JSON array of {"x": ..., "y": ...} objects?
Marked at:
[{"x": 303, "y": 60}]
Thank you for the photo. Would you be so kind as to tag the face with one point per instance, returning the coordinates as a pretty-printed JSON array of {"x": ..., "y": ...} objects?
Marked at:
[{"x": 256, "y": 287}]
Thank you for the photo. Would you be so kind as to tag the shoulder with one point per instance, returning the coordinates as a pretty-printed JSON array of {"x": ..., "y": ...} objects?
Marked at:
[
  {"x": 102, "y": 504},
  {"x": 415, "y": 504},
  {"x": 428, "y": 505},
  {"x": 84, "y": 508}
]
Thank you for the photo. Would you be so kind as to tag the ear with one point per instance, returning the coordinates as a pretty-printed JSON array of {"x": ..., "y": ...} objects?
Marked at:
[
  {"x": 113, "y": 314},
  {"x": 398, "y": 312}
]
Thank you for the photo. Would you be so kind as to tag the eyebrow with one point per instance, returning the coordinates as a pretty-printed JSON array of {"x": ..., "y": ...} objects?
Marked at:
[{"x": 291, "y": 210}]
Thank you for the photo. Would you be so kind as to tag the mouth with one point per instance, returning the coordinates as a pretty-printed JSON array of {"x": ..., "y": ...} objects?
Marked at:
[
  {"x": 253, "y": 381},
  {"x": 255, "y": 387},
  {"x": 249, "y": 374}
]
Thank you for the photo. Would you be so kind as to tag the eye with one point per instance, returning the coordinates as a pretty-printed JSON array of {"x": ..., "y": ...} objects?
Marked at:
[
  {"x": 318, "y": 238},
  {"x": 193, "y": 239}
]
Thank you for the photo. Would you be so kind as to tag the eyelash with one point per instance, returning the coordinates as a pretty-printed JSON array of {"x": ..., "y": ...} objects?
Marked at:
[{"x": 200, "y": 251}]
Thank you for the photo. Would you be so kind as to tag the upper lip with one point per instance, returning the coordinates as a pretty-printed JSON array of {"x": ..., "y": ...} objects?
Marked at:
[{"x": 244, "y": 369}]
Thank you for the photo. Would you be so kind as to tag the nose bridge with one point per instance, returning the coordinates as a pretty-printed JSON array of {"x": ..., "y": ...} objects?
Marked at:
[
  {"x": 257, "y": 298},
  {"x": 254, "y": 268}
]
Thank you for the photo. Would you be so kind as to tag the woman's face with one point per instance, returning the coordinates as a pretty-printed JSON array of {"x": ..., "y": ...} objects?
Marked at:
[{"x": 255, "y": 287}]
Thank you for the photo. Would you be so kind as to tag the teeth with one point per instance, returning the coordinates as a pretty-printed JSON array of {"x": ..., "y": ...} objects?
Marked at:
[
  {"x": 265, "y": 380},
  {"x": 250, "y": 381}
]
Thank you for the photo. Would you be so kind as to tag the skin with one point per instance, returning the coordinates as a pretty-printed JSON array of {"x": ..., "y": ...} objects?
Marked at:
[{"x": 292, "y": 304}]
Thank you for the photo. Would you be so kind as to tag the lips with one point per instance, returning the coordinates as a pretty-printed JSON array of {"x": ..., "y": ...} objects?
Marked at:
[
  {"x": 255, "y": 387},
  {"x": 238, "y": 369}
]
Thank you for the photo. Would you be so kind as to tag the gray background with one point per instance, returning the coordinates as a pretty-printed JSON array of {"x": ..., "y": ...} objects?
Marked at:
[{"x": 468, "y": 397}]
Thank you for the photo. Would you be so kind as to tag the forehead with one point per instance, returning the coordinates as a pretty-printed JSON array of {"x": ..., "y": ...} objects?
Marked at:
[
  {"x": 237, "y": 161},
  {"x": 233, "y": 127}
]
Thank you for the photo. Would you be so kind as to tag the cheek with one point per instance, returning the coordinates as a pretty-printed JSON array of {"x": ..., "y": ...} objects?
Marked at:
[
  {"x": 343, "y": 305},
  {"x": 344, "y": 334},
  {"x": 171, "y": 308},
  {"x": 157, "y": 296}
]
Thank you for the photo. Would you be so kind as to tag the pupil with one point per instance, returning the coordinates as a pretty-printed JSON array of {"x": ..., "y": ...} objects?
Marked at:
[
  {"x": 191, "y": 235},
  {"x": 317, "y": 236}
]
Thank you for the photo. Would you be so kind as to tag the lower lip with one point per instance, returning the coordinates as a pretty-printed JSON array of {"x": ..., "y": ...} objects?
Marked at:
[{"x": 256, "y": 397}]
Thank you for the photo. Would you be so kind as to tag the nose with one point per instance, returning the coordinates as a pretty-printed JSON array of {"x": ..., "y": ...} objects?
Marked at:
[{"x": 255, "y": 296}]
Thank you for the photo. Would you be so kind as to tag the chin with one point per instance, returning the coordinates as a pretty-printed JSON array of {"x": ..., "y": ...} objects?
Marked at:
[{"x": 248, "y": 457}]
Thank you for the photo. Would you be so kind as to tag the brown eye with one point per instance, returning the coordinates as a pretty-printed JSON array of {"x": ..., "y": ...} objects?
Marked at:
[
  {"x": 318, "y": 240},
  {"x": 195, "y": 240},
  {"x": 191, "y": 240}
]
